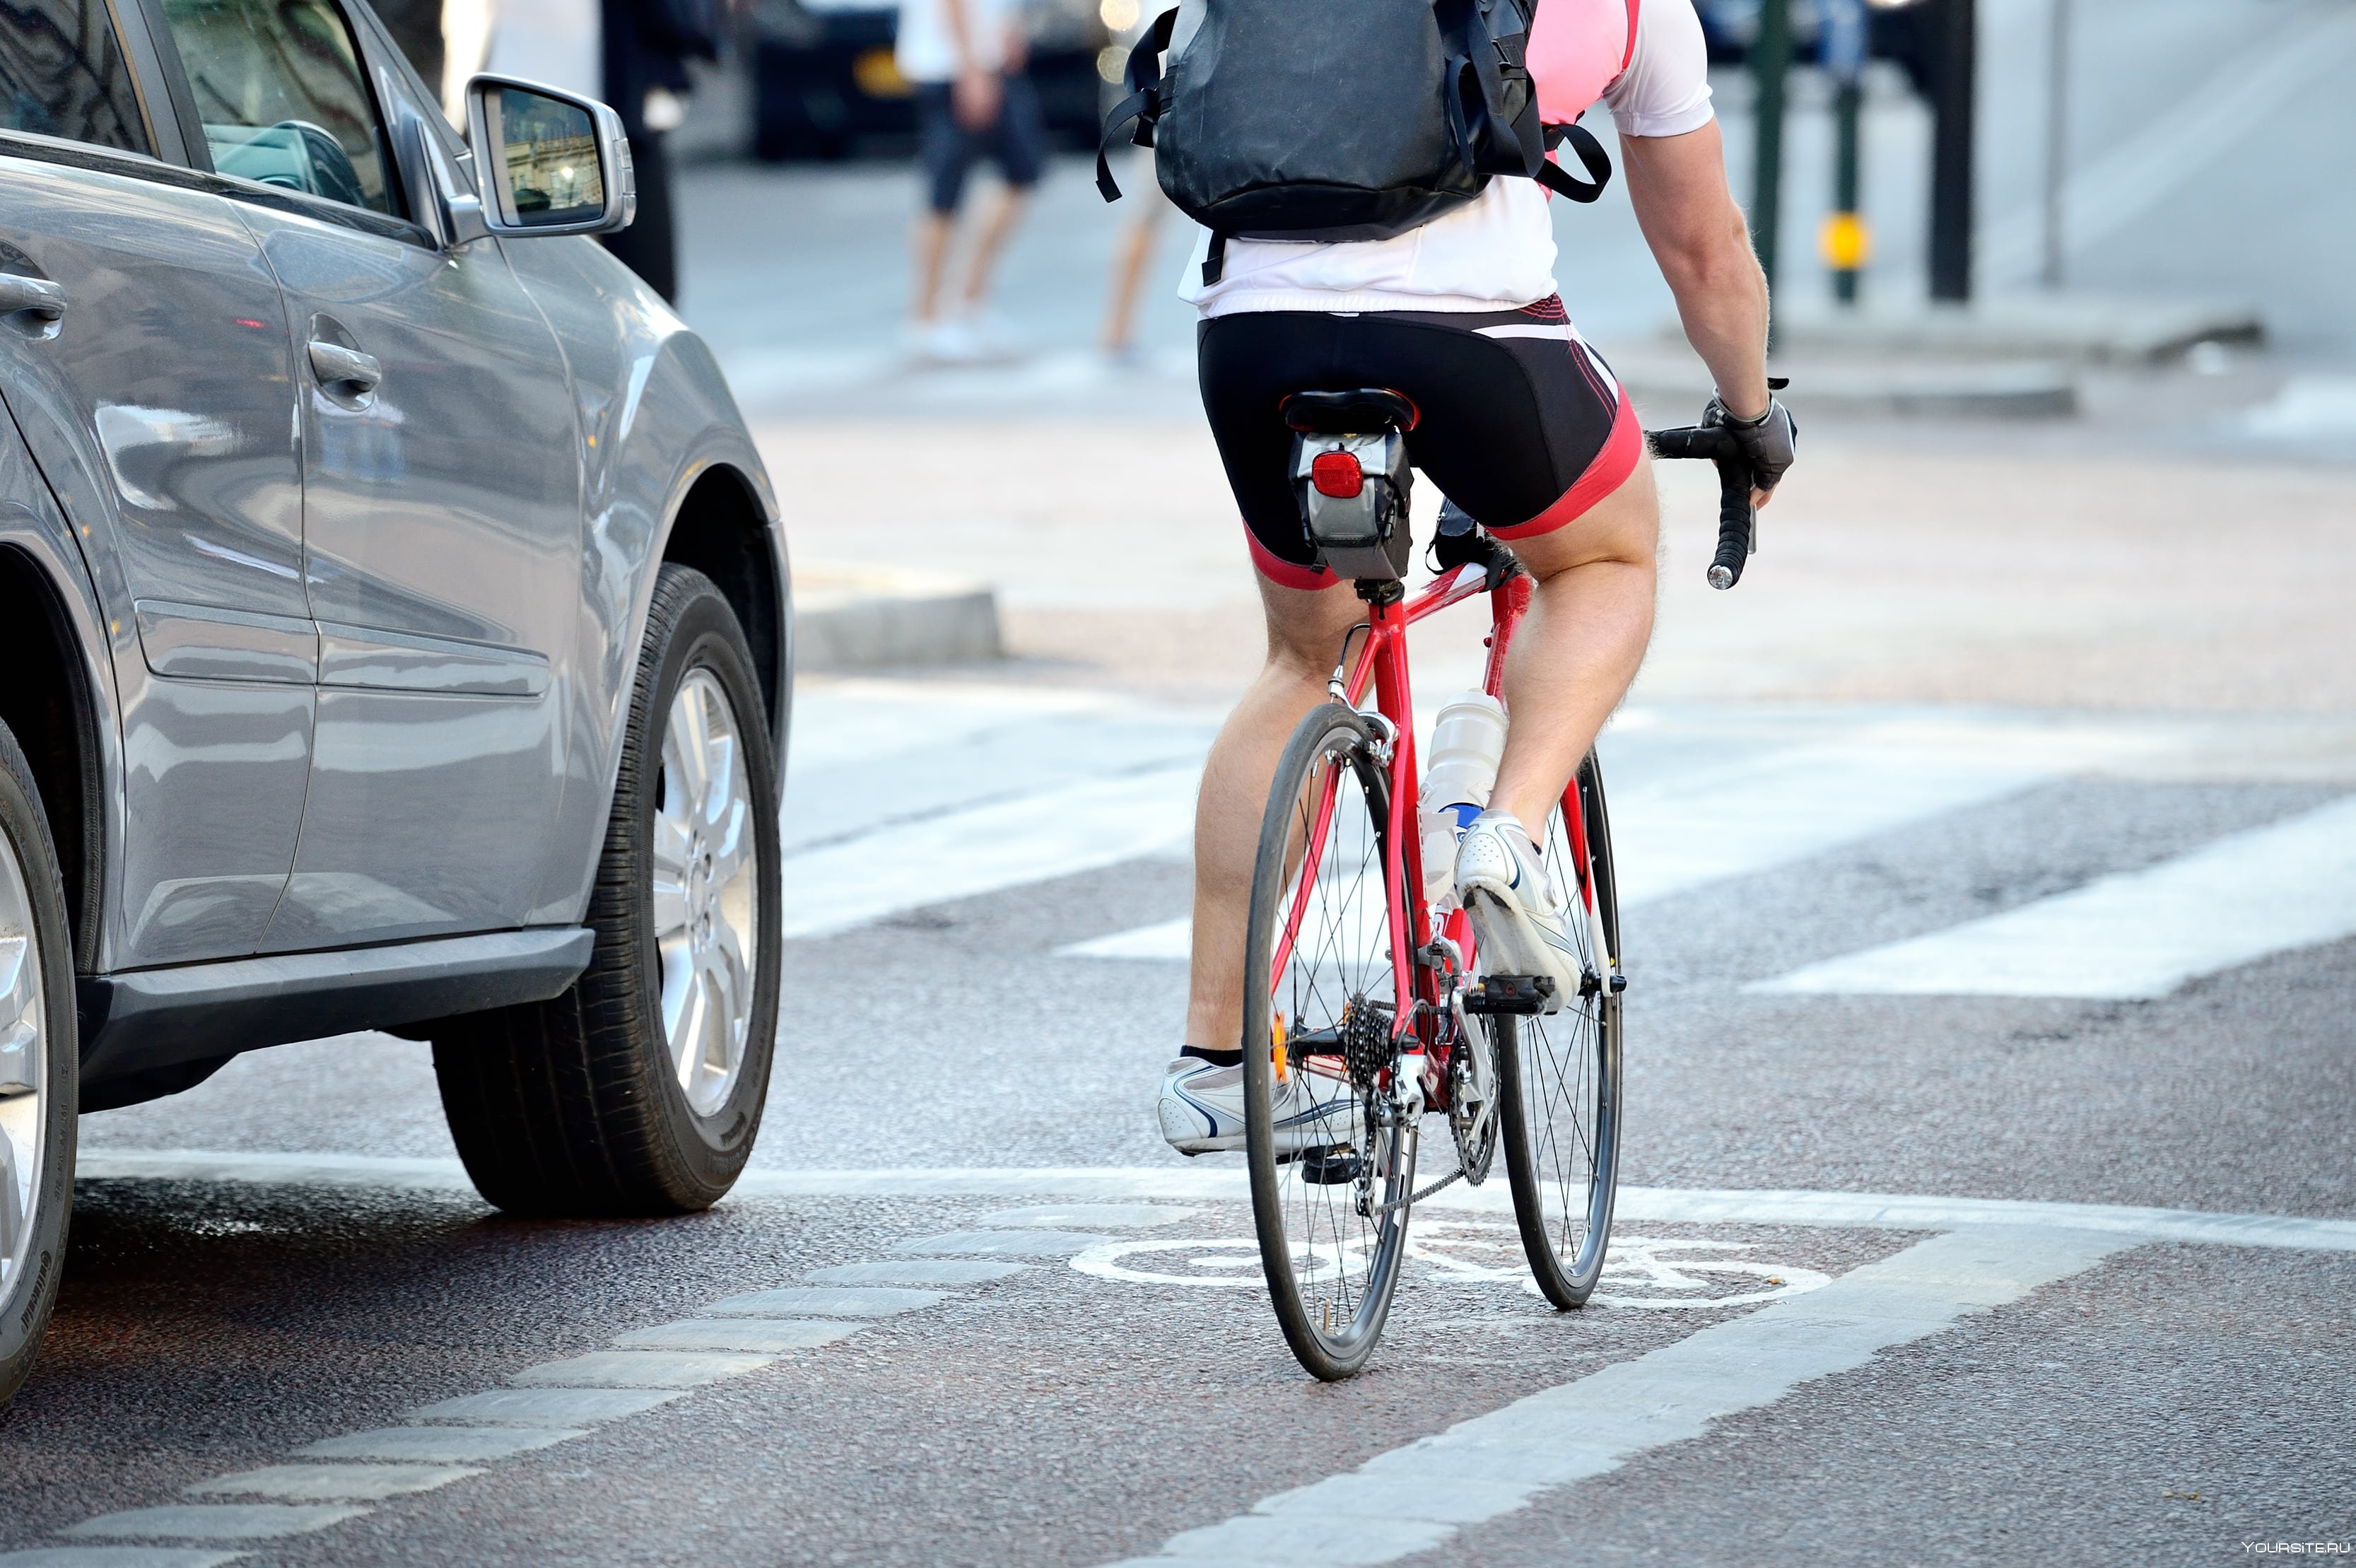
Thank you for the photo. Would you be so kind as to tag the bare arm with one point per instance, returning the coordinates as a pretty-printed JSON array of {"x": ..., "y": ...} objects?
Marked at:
[{"x": 1677, "y": 184}]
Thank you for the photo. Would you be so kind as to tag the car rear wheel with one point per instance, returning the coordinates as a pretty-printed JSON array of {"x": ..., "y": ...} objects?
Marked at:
[
  {"x": 39, "y": 1056},
  {"x": 639, "y": 1091}
]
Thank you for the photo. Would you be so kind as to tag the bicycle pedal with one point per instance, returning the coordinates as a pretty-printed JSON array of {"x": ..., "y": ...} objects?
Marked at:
[
  {"x": 1336, "y": 1166},
  {"x": 1522, "y": 994}
]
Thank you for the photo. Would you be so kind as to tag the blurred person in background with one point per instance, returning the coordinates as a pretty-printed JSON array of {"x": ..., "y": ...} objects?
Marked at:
[
  {"x": 631, "y": 54},
  {"x": 964, "y": 58}
]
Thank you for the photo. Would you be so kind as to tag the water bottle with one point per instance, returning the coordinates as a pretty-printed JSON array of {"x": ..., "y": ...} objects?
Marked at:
[{"x": 1467, "y": 740}]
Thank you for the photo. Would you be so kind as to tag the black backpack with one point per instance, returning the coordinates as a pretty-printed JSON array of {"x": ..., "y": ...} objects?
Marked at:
[{"x": 1340, "y": 119}]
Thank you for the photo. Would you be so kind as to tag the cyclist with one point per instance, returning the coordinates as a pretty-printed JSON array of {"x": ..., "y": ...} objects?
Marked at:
[{"x": 1523, "y": 425}]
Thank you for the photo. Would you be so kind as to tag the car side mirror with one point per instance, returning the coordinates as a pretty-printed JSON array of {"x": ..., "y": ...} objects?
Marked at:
[{"x": 548, "y": 162}]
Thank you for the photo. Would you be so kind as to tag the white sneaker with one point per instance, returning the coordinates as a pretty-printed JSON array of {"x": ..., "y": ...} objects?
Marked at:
[
  {"x": 1201, "y": 1109},
  {"x": 992, "y": 335},
  {"x": 945, "y": 342},
  {"x": 1517, "y": 917}
]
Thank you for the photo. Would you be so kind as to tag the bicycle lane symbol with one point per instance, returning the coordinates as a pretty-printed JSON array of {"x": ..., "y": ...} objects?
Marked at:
[{"x": 1645, "y": 1271}]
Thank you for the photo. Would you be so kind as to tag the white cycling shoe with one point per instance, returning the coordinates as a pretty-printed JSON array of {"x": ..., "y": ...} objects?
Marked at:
[
  {"x": 1517, "y": 917},
  {"x": 1201, "y": 1109}
]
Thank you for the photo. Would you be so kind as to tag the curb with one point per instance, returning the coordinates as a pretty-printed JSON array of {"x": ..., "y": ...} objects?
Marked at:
[
  {"x": 2002, "y": 389},
  {"x": 851, "y": 617}
]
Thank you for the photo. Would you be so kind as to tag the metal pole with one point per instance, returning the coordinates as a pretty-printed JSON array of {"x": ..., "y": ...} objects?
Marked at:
[
  {"x": 1951, "y": 153},
  {"x": 1771, "y": 61},
  {"x": 1846, "y": 245},
  {"x": 2057, "y": 135}
]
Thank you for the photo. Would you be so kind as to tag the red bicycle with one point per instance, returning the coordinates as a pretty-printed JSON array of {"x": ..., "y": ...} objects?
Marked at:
[{"x": 1358, "y": 979}]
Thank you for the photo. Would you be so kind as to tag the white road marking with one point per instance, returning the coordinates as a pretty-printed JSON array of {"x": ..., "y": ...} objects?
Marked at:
[
  {"x": 216, "y": 1521},
  {"x": 765, "y": 1335},
  {"x": 118, "y": 1557},
  {"x": 795, "y": 1301},
  {"x": 1663, "y": 1266},
  {"x": 1108, "y": 1215},
  {"x": 438, "y": 1444},
  {"x": 1417, "y": 1496},
  {"x": 2134, "y": 934},
  {"x": 919, "y": 1272},
  {"x": 1001, "y": 1243},
  {"x": 544, "y": 1408},
  {"x": 1225, "y": 1183},
  {"x": 1083, "y": 826},
  {"x": 330, "y": 1483},
  {"x": 1694, "y": 828},
  {"x": 639, "y": 1369}
]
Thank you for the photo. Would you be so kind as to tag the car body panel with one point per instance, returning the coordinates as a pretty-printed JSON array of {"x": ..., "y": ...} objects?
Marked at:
[
  {"x": 187, "y": 462},
  {"x": 442, "y": 543},
  {"x": 657, "y": 415},
  {"x": 410, "y": 663}
]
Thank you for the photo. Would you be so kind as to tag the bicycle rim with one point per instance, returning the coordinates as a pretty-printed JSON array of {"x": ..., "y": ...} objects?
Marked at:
[
  {"x": 1328, "y": 1191},
  {"x": 1559, "y": 1080}
]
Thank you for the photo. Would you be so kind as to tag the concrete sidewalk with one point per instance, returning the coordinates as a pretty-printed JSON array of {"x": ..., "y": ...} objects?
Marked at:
[{"x": 1892, "y": 569}]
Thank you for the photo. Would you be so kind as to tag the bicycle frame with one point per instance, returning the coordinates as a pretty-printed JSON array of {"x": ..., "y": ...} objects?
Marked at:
[{"x": 1381, "y": 666}]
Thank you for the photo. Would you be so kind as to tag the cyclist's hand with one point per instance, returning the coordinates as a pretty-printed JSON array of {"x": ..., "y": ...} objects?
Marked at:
[{"x": 1767, "y": 442}]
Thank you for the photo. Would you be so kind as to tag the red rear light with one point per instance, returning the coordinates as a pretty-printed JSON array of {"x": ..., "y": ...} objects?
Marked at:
[{"x": 1337, "y": 474}]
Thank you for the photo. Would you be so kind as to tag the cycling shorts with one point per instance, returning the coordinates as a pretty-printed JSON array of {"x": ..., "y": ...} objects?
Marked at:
[
  {"x": 1520, "y": 423},
  {"x": 1016, "y": 141}
]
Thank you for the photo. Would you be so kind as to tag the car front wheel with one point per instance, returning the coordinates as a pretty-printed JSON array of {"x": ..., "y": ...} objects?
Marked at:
[
  {"x": 38, "y": 1062},
  {"x": 639, "y": 1091}
]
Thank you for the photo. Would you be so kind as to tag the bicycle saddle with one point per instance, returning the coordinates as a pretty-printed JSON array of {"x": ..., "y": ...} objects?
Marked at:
[{"x": 1359, "y": 412}]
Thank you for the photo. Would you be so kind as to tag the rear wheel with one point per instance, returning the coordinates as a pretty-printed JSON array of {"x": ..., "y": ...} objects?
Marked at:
[
  {"x": 39, "y": 1057},
  {"x": 640, "y": 1089},
  {"x": 1329, "y": 1190},
  {"x": 1559, "y": 1075}
]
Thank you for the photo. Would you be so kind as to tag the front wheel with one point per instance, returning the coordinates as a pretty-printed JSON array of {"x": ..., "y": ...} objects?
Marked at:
[
  {"x": 1558, "y": 1074},
  {"x": 640, "y": 1089},
  {"x": 1331, "y": 1151},
  {"x": 40, "y": 1060}
]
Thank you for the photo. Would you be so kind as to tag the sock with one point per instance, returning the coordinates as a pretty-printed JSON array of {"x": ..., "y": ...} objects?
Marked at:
[{"x": 1217, "y": 1059}]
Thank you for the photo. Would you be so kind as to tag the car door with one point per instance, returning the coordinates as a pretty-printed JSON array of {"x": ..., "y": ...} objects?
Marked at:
[
  {"x": 440, "y": 476},
  {"x": 145, "y": 353}
]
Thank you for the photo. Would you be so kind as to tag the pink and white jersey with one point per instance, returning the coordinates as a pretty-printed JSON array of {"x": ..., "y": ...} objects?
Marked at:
[{"x": 1496, "y": 251}]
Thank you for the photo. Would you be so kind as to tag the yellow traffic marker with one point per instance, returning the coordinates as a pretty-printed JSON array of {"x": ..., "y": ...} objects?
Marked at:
[{"x": 1845, "y": 243}]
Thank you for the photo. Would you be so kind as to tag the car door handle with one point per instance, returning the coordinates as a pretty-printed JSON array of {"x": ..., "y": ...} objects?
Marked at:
[
  {"x": 346, "y": 375},
  {"x": 32, "y": 306}
]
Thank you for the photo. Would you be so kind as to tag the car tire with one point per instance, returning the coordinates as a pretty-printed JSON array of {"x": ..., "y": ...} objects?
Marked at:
[
  {"x": 41, "y": 1058},
  {"x": 619, "y": 1097}
]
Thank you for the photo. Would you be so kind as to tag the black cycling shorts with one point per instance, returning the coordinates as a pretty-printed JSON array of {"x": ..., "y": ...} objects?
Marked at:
[
  {"x": 1016, "y": 142},
  {"x": 1520, "y": 423}
]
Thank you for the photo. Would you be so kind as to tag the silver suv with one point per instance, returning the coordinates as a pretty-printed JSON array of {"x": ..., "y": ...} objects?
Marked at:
[{"x": 393, "y": 617}]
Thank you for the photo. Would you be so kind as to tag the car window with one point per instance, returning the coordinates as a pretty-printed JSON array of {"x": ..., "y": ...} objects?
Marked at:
[
  {"x": 62, "y": 74},
  {"x": 279, "y": 89}
]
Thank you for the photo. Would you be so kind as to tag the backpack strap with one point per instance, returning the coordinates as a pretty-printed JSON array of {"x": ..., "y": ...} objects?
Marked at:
[
  {"x": 1215, "y": 259},
  {"x": 1592, "y": 157},
  {"x": 1142, "y": 77}
]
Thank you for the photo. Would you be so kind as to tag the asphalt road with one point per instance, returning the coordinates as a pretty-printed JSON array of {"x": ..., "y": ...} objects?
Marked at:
[{"x": 959, "y": 1085}]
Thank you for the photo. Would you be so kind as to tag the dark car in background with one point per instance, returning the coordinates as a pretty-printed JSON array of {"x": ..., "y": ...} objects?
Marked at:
[{"x": 827, "y": 88}]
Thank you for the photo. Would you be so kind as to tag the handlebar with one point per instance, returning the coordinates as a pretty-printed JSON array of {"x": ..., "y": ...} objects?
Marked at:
[{"x": 1738, "y": 521}]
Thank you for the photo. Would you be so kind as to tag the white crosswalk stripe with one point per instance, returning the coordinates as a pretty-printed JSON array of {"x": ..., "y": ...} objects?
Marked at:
[
  {"x": 2137, "y": 934},
  {"x": 903, "y": 795}
]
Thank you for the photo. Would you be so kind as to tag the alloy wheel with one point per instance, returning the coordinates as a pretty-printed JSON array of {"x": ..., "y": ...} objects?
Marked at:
[
  {"x": 24, "y": 1109},
  {"x": 706, "y": 882}
]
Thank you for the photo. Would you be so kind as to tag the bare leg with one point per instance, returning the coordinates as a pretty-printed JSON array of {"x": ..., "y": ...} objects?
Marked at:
[
  {"x": 1005, "y": 211},
  {"x": 1574, "y": 656},
  {"x": 1129, "y": 256},
  {"x": 931, "y": 243},
  {"x": 1304, "y": 637}
]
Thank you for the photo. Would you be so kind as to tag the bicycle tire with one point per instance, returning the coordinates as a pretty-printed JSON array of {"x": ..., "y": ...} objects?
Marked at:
[
  {"x": 1559, "y": 1075},
  {"x": 1330, "y": 1220}
]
